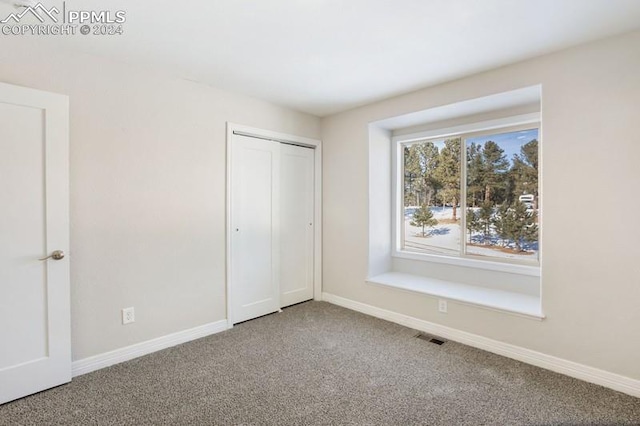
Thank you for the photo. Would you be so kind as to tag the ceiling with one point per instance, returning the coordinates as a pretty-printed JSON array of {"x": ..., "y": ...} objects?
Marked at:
[{"x": 326, "y": 56}]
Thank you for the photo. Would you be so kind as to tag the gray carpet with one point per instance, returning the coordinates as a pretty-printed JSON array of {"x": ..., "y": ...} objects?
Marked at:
[{"x": 316, "y": 363}]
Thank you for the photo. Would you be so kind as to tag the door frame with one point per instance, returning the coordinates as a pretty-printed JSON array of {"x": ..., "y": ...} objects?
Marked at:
[{"x": 316, "y": 144}]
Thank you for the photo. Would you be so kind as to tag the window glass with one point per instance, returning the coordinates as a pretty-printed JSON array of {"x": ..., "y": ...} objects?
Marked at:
[
  {"x": 432, "y": 197},
  {"x": 502, "y": 195},
  {"x": 498, "y": 217}
]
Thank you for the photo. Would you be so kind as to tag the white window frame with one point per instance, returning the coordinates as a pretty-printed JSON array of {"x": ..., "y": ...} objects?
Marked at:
[{"x": 397, "y": 214}]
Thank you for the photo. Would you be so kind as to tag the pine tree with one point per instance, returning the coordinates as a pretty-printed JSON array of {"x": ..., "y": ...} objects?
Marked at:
[
  {"x": 485, "y": 220},
  {"x": 519, "y": 225},
  {"x": 525, "y": 227},
  {"x": 448, "y": 173},
  {"x": 525, "y": 170},
  {"x": 423, "y": 217},
  {"x": 495, "y": 166},
  {"x": 502, "y": 223},
  {"x": 420, "y": 164},
  {"x": 475, "y": 171},
  {"x": 429, "y": 159},
  {"x": 473, "y": 224},
  {"x": 412, "y": 173}
]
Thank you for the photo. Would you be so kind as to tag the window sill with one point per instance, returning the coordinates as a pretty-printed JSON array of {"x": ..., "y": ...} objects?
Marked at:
[
  {"x": 513, "y": 268},
  {"x": 500, "y": 300}
]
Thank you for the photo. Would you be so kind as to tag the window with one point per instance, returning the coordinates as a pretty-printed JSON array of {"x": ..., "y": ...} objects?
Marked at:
[{"x": 472, "y": 194}]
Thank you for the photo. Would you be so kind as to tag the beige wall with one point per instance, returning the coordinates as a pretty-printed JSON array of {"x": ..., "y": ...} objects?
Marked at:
[
  {"x": 590, "y": 255},
  {"x": 147, "y": 191}
]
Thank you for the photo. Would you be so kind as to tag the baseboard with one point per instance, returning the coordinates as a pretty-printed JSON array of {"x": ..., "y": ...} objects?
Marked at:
[
  {"x": 558, "y": 365},
  {"x": 87, "y": 365}
]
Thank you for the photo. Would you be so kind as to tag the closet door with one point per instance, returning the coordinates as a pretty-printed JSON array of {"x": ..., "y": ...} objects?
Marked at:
[
  {"x": 255, "y": 217},
  {"x": 297, "y": 224}
]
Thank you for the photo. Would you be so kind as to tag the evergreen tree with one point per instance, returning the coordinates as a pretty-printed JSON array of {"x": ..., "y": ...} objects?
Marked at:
[
  {"x": 519, "y": 225},
  {"x": 495, "y": 165},
  {"x": 420, "y": 164},
  {"x": 475, "y": 172},
  {"x": 430, "y": 158},
  {"x": 473, "y": 224},
  {"x": 508, "y": 195},
  {"x": 448, "y": 173},
  {"x": 502, "y": 223},
  {"x": 525, "y": 171},
  {"x": 424, "y": 217},
  {"x": 485, "y": 220},
  {"x": 412, "y": 173}
]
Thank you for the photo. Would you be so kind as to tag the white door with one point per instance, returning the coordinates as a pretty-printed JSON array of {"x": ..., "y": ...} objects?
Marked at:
[
  {"x": 296, "y": 224},
  {"x": 255, "y": 214},
  {"x": 35, "y": 345}
]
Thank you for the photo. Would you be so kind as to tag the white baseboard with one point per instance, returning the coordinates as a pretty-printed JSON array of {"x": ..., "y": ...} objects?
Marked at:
[
  {"x": 559, "y": 365},
  {"x": 87, "y": 365}
]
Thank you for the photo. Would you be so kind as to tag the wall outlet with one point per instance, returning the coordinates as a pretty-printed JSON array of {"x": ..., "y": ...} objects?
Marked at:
[
  {"x": 442, "y": 306},
  {"x": 128, "y": 315}
]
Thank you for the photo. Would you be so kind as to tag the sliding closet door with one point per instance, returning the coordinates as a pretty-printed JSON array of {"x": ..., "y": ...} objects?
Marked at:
[
  {"x": 297, "y": 224},
  {"x": 255, "y": 224}
]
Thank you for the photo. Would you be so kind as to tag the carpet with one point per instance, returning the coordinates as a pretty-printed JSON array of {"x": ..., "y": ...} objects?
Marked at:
[{"x": 319, "y": 364}]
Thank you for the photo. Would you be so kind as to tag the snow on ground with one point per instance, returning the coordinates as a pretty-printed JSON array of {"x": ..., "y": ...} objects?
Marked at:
[
  {"x": 444, "y": 238},
  {"x": 441, "y": 239}
]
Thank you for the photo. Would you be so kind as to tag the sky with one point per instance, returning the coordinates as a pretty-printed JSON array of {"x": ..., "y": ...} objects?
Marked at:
[{"x": 509, "y": 142}]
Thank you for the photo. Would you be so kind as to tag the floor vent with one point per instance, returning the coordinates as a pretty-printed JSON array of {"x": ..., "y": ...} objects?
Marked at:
[{"x": 430, "y": 338}]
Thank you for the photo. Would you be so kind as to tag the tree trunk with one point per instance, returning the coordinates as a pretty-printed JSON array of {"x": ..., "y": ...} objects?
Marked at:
[
  {"x": 487, "y": 193},
  {"x": 455, "y": 209},
  {"x": 429, "y": 193}
]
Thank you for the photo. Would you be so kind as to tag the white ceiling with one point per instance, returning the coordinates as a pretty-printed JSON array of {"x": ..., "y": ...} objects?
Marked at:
[{"x": 325, "y": 56}]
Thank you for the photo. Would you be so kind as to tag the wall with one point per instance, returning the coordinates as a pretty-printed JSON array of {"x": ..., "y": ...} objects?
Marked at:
[
  {"x": 379, "y": 191},
  {"x": 147, "y": 190},
  {"x": 590, "y": 150}
]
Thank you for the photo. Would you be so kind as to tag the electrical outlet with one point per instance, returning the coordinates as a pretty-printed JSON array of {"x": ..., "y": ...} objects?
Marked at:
[
  {"x": 442, "y": 306},
  {"x": 128, "y": 315}
]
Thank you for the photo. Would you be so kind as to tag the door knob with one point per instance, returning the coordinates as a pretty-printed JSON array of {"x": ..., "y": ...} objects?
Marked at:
[{"x": 55, "y": 255}]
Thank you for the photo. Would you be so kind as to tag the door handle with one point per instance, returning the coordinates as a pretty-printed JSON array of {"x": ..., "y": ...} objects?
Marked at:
[{"x": 55, "y": 255}]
